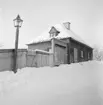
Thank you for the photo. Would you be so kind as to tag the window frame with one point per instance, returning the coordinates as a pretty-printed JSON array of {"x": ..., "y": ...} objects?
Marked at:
[{"x": 81, "y": 53}]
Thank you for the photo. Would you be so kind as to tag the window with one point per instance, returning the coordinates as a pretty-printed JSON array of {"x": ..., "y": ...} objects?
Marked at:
[
  {"x": 75, "y": 54},
  {"x": 52, "y": 35},
  {"x": 89, "y": 55},
  {"x": 82, "y": 54}
]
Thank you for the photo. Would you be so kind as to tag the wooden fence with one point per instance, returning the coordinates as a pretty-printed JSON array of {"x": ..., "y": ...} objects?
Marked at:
[
  {"x": 7, "y": 59},
  {"x": 39, "y": 58}
]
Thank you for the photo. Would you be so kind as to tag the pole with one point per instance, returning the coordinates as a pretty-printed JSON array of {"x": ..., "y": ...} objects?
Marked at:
[{"x": 16, "y": 50}]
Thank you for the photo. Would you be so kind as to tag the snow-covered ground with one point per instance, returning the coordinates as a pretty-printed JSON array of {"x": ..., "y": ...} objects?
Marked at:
[{"x": 75, "y": 84}]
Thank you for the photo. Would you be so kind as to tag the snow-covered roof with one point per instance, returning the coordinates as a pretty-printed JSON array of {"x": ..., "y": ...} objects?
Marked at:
[{"x": 64, "y": 33}]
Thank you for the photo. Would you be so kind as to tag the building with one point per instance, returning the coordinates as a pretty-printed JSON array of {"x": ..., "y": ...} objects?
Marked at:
[{"x": 66, "y": 46}]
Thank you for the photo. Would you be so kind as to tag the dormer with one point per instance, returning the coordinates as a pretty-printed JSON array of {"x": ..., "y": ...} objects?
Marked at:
[
  {"x": 53, "y": 32},
  {"x": 67, "y": 25}
]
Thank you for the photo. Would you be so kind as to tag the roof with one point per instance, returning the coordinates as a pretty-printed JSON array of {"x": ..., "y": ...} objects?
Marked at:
[{"x": 64, "y": 33}]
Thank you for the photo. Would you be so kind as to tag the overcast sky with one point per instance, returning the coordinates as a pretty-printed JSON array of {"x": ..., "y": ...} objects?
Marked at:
[{"x": 86, "y": 17}]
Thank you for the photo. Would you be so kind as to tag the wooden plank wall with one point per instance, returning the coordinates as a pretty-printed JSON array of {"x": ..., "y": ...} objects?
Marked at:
[
  {"x": 39, "y": 58},
  {"x": 60, "y": 55},
  {"x": 7, "y": 57},
  {"x": 59, "y": 49}
]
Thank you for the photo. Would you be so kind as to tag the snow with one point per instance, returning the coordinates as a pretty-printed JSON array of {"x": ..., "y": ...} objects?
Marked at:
[
  {"x": 42, "y": 51},
  {"x": 64, "y": 33},
  {"x": 74, "y": 84}
]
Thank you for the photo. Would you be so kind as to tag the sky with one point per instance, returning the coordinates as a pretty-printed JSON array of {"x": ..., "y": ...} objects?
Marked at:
[{"x": 85, "y": 16}]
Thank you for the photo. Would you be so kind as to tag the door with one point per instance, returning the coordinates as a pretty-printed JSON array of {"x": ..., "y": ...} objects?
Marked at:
[{"x": 60, "y": 54}]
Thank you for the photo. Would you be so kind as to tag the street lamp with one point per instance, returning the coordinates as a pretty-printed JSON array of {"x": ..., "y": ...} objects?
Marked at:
[{"x": 17, "y": 23}]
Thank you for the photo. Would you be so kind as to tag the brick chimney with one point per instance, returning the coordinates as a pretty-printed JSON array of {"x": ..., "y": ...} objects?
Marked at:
[{"x": 67, "y": 25}]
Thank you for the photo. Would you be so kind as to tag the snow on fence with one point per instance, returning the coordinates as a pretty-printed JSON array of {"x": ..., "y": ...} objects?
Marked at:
[{"x": 39, "y": 58}]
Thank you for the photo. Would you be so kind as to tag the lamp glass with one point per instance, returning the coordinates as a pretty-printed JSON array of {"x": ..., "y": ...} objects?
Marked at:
[{"x": 18, "y": 21}]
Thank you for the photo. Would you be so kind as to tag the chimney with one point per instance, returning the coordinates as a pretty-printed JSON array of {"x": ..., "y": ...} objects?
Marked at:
[{"x": 67, "y": 25}]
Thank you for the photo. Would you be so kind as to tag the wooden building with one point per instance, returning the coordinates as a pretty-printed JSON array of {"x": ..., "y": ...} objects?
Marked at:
[{"x": 66, "y": 46}]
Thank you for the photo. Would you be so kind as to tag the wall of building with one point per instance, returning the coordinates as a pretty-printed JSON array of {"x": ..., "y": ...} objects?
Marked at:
[
  {"x": 42, "y": 46},
  {"x": 60, "y": 51},
  {"x": 80, "y": 47},
  {"x": 67, "y": 40}
]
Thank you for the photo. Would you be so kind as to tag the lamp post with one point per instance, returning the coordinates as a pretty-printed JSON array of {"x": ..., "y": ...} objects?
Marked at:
[{"x": 17, "y": 23}]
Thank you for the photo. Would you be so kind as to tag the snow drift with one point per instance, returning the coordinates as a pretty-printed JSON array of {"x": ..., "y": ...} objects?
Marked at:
[{"x": 75, "y": 84}]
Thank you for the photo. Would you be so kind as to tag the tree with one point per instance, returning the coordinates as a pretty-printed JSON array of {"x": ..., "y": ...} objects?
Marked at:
[{"x": 98, "y": 53}]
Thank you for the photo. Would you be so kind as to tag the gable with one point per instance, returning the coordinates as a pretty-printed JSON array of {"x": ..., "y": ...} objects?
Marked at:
[{"x": 53, "y": 30}]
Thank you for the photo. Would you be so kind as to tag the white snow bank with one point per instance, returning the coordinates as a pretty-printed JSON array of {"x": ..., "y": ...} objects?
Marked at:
[{"x": 75, "y": 84}]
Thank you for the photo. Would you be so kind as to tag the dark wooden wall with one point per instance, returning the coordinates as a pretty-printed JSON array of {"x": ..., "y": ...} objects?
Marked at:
[{"x": 87, "y": 51}]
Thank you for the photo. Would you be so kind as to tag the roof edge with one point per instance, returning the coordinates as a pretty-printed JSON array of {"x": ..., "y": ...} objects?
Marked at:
[{"x": 81, "y": 43}]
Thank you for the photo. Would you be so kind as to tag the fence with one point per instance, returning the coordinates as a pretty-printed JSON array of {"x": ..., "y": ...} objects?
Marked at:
[
  {"x": 39, "y": 58},
  {"x": 7, "y": 58}
]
